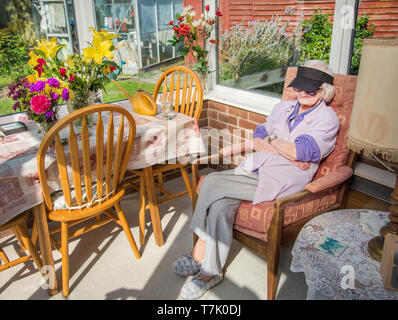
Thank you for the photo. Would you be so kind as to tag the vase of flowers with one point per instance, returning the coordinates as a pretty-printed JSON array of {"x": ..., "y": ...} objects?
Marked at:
[
  {"x": 194, "y": 35},
  {"x": 40, "y": 98},
  {"x": 85, "y": 74}
]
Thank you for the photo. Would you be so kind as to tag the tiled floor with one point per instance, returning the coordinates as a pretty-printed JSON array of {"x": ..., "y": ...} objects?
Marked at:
[{"x": 102, "y": 265}]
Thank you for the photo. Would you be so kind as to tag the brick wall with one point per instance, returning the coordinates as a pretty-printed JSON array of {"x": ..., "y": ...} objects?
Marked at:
[{"x": 223, "y": 124}]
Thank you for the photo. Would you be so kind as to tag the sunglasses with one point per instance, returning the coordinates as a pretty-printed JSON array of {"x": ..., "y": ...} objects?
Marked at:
[{"x": 311, "y": 93}]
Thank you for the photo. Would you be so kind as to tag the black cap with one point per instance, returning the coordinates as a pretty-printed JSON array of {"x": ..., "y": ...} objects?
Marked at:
[{"x": 310, "y": 79}]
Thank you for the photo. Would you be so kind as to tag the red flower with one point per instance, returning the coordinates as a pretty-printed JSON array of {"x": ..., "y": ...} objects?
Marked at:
[
  {"x": 207, "y": 8},
  {"x": 218, "y": 13},
  {"x": 213, "y": 41},
  {"x": 39, "y": 69},
  {"x": 62, "y": 71},
  {"x": 72, "y": 77},
  {"x": 41, "y": 62},
  {"x": 180, "y": 18},
  {"x": 171, "y": 22},
  {"x": 112, "y": 68}
]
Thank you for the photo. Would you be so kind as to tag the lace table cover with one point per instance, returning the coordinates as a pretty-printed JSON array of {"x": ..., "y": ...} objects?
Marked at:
[{"x": 323, "y": 271}]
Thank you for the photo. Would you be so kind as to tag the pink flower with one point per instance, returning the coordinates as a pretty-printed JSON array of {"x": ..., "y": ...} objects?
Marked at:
[
  {"x": 72, "y": 77},
  {"x": 40, "y": 104}
]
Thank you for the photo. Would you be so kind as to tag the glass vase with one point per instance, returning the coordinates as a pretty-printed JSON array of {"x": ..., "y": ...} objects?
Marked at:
[
  {"x": 45, "y": 126},
  {"x": 203, "y": 79},
  {"x": 80, "y": 101}
]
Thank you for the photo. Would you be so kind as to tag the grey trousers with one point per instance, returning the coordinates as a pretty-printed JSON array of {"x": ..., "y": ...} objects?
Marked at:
[{"x": 218, "y": 201}]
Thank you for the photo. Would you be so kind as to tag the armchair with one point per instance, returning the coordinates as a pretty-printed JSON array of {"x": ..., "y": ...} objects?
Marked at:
[{"x": 267, "y": 225}]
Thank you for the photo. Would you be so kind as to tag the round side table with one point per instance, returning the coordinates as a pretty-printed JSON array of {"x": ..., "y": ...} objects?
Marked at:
[{"x": 326, "y": 273}]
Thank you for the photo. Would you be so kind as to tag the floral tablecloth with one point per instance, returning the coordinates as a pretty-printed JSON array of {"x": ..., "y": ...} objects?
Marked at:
[
  {"x": 327, "y": 274},
  {"x": 157, "y": 140}
]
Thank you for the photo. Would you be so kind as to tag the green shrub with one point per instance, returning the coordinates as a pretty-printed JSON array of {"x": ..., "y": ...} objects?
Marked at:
[
  {"x": 363, "y": 30},
  {"x": 13, "y": 56},
  {"x": 317, "y": 38}
]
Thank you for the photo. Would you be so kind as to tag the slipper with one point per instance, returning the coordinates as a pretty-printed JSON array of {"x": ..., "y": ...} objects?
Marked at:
[
  {"x": 186, "y": 265},
  {"x": 196, "y": 287}
]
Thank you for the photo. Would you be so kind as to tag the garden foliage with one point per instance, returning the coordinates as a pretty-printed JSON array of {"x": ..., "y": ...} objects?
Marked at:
[
  {"x": 13, "y": 56},
  {"x": 266, "y": 45},
  {"x": 263, "y": 45}
]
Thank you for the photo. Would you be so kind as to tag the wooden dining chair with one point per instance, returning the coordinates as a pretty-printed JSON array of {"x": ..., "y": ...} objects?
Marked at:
[
  {"x": 18, "y": 226},
  {"x": 188, "y": 99},
  {"x": 87, "y": 198},
  {"x": 264, "y": 227}
]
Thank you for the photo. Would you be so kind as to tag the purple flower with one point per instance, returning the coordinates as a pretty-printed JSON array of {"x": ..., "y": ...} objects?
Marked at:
[
  {"x": 38, "y": 86},
  {"x": 65, "y": 94},
  {"x": 54, "y": 96},
  {"x": 53, "y": 82},
  {"x": 49, "y": 114}
]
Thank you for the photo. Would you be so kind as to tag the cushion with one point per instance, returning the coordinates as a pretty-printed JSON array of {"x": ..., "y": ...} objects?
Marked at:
[
  {"x": 59, "y": 202},
  {"x": 334, "y": 178},
  {"x": 256, "y": 220}
]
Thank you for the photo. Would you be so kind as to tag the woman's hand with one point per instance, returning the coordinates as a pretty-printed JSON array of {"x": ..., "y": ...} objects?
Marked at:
[
  {"x": 263, "y": 145},
  {"x": 303, "y": 165}
]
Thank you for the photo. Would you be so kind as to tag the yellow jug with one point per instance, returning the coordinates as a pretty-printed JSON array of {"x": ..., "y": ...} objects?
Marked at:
[{"x": 141, "y": 102}]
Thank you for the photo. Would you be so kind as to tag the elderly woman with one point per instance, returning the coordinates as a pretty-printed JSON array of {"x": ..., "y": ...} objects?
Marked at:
[{"x": 289, "y": 146}]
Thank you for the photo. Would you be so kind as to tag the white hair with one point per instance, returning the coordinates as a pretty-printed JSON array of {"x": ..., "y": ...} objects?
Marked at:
[{"x": 328, "y": 90}]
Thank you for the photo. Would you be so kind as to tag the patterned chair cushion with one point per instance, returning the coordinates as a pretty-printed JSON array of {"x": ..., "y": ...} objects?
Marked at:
[{"x": 256, "y": 220}]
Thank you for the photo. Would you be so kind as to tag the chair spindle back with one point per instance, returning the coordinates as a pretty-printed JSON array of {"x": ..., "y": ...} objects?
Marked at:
[{"x": 115, "y": 166}]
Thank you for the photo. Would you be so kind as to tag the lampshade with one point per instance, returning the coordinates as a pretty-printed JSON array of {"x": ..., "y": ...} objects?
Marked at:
[{"x": 374, "y": 119}]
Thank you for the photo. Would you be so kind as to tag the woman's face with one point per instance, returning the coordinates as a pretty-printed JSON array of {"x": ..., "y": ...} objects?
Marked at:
[{"x": 308, "y": 100}]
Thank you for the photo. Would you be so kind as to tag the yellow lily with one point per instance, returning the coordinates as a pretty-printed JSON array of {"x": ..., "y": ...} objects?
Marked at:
[
  {"x": 49, "y": 48},
  {"x": 102, "y": 35},
  {"x": 33, "y": 59},
  {"x": 69, "y": 61},
  {"x": 99, "y": 50}
]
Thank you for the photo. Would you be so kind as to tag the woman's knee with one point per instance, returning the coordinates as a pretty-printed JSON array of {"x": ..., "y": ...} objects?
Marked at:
[
  {"x": 223, "y": 211},
  {"x": 208, "y": 180}
]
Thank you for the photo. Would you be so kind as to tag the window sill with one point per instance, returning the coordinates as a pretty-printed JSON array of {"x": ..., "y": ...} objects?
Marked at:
[{"x": 243, "y": 99}]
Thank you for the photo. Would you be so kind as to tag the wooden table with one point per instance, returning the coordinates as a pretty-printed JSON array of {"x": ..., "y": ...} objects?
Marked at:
[{"x": 157, "y": 140}]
